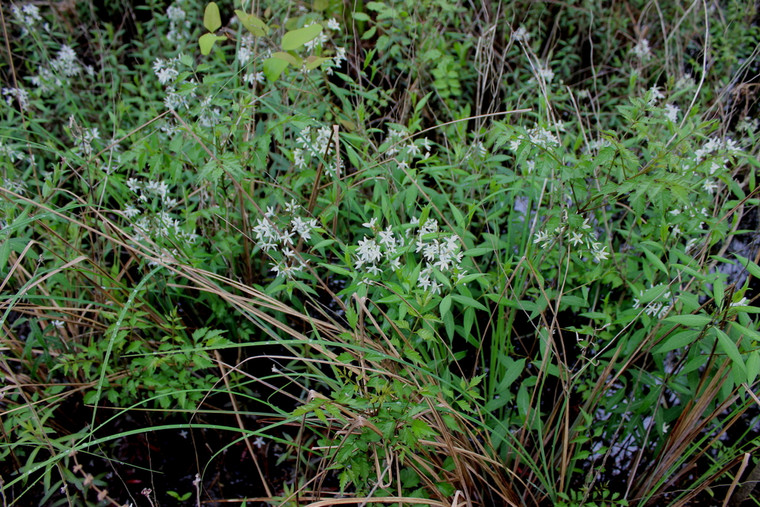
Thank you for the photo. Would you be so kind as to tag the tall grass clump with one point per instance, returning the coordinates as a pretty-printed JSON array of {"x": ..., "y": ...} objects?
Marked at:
[{"x": 383, "y": 253}]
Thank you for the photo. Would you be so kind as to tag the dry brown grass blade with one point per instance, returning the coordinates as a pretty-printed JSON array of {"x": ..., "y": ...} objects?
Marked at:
[
  {"x": 685, "y": 431},
  {"x": 378, "y": 499},
  {"x": 239, "y": 420},
  {"x": 742, "y": 467}
]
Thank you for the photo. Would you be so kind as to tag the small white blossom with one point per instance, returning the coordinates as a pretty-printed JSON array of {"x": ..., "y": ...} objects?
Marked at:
[
  {"x": 371, "y": 224},
  {"x": 66, "y": 62},
  {"x": 655, "y": 95},
  {"x": 545, "y": 73},
  {"x": 292, "y": 206},
  {"x": 254, "y": 77},
  {"x": 642, "y": 50},
  {"x": 130, "y": 211},
  {"x": 576, "y": 238},
  {"x": 521, "y": 34},
  {"x": 16, "y": 95},
  {"x": 599, "y": 252},
  {"x": 368, "y": 252},
  {"x": 175, "y": 13},
  {"x": 671, "y": 112},
  {"x": 28, "y": 15}
]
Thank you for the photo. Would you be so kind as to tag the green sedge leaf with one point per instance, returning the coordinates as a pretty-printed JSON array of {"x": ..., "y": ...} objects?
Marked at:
[
  {"x": 211, "y": 18},
  {"x": 294, "y": 39}
]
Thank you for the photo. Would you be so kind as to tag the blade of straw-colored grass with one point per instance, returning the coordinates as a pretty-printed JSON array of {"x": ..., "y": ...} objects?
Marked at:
[
  {"x": 239, "y": 420},
  {"x": 742, "y": 467},
  {"x": 378, "y": 499}
]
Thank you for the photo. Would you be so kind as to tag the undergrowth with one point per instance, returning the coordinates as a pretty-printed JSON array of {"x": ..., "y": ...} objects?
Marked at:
[{"x": 382, "y": 253}]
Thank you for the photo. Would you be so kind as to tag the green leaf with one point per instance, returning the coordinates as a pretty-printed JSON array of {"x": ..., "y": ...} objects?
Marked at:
[
  {"x": 336, "y": 269},
  {"x": 512, "y": 370},
  {"x": 252, "y": 23},
  {"x": 718, "y": 291},
  {"x": 753, "y": 268},
  {"x": 211, "y": 18},
  {"x": 753, "y": 334},
  {"x": 729, "y": 347},
  {"x": 690, "y": 320},
  {"x": 468, "y": 301},
  {"x": 294, "y": 39},
  {"x": 313, "y": 62},
  {"x": 274, "y": 67},
  {"x": 360, "y": 16},
  {"x": 753, "y": 366},
  {"x": 655, "y": 260},
  {"x": 287, "y": 57},
  {"x": 206, "y": 42},
  {"x": 445, "y": 305},
  {"x": 676, "y": 341}
]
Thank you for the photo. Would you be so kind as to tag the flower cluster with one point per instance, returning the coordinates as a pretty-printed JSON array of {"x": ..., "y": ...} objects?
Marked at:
[
  {"x": 245, "y": 52},
  {"x": 537, "y": 136},
  {"x": 155, "y": 225},
  {"x": 279, "y": 240},
  {"x": 642, "y": 50},
  {"x": 521, "y": 34},
  {"x": 545, "y": 73},
  {"x": 65, "y": 65},
  {"x": 18, "y": 95},
  {"x": 317, "y": 143},
  {"x": 397, "y": 143},
  {"x": 17, "y": 186},
  {"x": 331, "y": 25},
  {"x": 83, "y": 137},
  {"x": 580, "y": 236},
  {"x": 439, "y": 252},
  {"x": 372, "y": 251},
  {"x": 657, "y": 308},
  {"x": 27, "y": 15},
  {"x": 179, "y": 25},
  {"x": 167, "y": 71}
]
